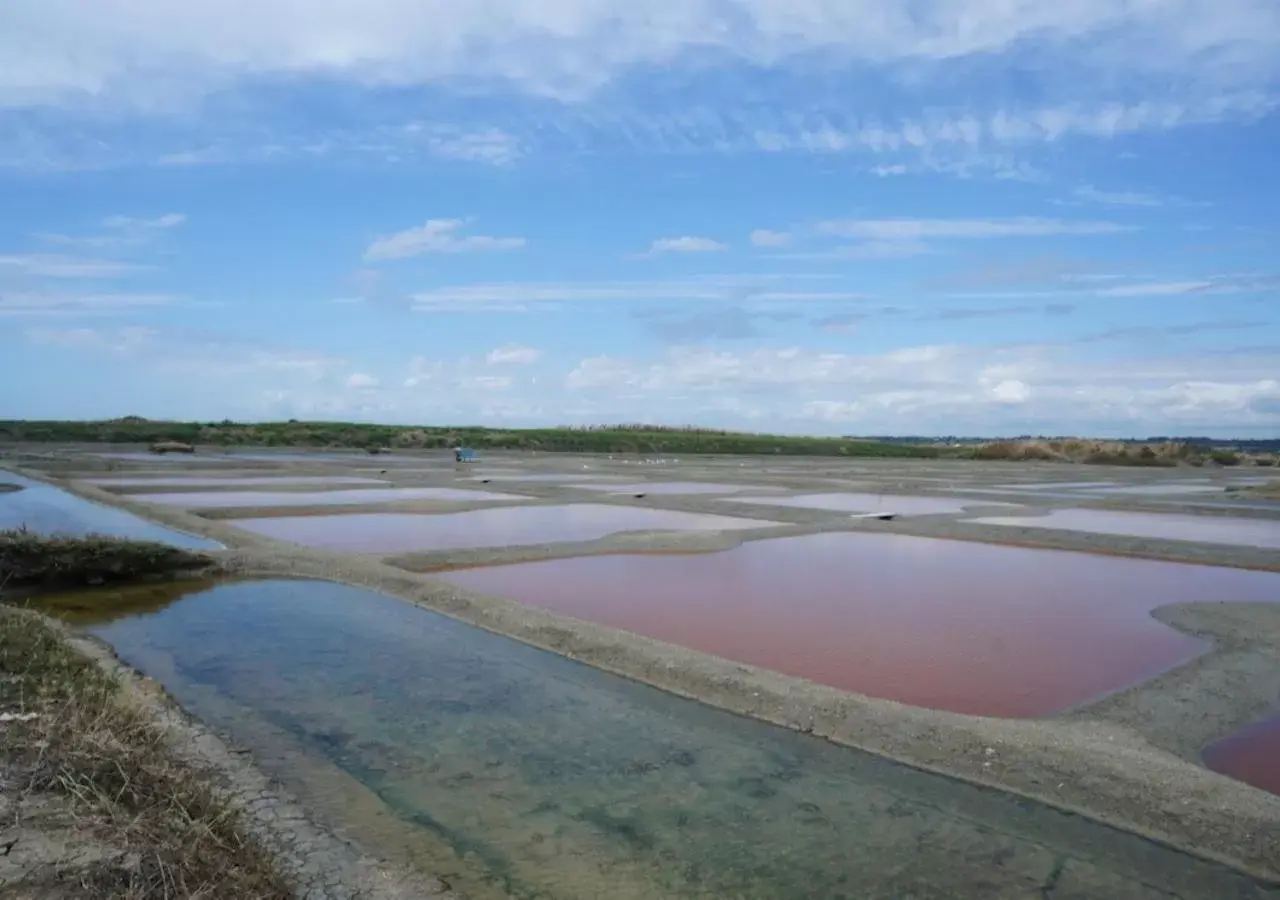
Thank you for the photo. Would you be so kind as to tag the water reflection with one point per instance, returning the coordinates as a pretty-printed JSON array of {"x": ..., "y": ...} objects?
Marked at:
[
  {"x": 215, "y": 481},
  {"x": 549, "y": 779},
  {"x": 1203, "y": 529},
  {"x": 1251, "y": 755},
  {"x": 49, "y": 510},
  {"x": 968, "y": 627},
  {"x": 511, "y": 526},
  {"x": 668, "y": 487},
  {"x": 225, "y": 499},
  {"x": 852, "y": 502}
]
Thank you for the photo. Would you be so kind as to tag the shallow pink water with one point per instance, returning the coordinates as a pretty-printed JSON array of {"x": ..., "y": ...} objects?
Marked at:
[
  {"x": 852, "y": 502},
  {"x": 509, "y": 526},
  {"x": 1206, "y": 529},
  {"x": 213, "y": 499},
  {"x": 1251, "y": 755},
  {"x": 974, "y": 628}
]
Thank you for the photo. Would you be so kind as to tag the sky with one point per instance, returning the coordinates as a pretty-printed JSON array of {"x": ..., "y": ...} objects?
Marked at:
[{"x": 864, "y": 217}]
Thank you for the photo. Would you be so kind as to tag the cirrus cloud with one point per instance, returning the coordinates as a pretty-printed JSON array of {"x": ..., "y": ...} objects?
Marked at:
[
  {"x": 436, "y": 236},
  {"x": 686, "y": 244}
]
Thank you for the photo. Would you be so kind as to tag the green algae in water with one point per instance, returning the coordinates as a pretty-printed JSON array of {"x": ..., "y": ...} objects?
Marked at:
[{"x": 550, "y": 779}]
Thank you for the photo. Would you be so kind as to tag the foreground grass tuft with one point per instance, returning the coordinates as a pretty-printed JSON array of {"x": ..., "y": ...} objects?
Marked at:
[
  {"x": 86, "y": 768},
  {"x": 29, "y": 559}
]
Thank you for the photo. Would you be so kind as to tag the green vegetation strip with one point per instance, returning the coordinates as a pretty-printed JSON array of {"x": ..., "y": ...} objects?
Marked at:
[{"x": 337, "y": 435}]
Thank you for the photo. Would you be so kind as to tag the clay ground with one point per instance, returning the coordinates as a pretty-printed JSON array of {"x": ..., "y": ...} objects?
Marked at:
[{"x": 1131, "y": 759}]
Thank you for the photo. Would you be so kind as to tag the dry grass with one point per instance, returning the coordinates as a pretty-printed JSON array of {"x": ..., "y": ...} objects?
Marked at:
[
  {"x": 1077, "y": 450},
  {"x": 94, "y": 796}
]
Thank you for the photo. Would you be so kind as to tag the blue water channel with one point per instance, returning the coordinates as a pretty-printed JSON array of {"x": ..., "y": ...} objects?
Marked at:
[
  {"x": 519, "y": 773},
  {"x": 46, "y": 509}
]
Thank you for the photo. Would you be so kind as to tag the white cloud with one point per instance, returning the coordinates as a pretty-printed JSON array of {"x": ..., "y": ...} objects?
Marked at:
[
  {"x": 50, "y": 265},
  {"x": 686, "y": 244},
  {"x": 461, "y": 378},
  {"x": 114, "y": 340},
  {"x": 40, "y": 304},
  {"x": 361, "y": 381},
  {"x": 67, "y": 51},
  {"x": 763, "y": 237},
  {"x": 168, "y": 220},
  {"x": 513, "y": 355},
  {"x": 1155, "y": 289},
  {"x": 204, "y": 354},
  {"x": 945, "y": 389},
  {"x": 492, "y": 382},
  {"x": 1011, "y": 391},
  {"x": 916, "y": 229},
  {"x": 1100, "y": 69},
  {"x": 436, "y": 236},
  {"x": 1091, "y": 194},
  {"x": 887, "y": 249},
  {"x": 482, "y": 145},
  {"x": 511, "y": 296},
  {"x": 930, "y": 388},
  {"x": 969, "y": 140},
  {"x": 121, "y": 234}
]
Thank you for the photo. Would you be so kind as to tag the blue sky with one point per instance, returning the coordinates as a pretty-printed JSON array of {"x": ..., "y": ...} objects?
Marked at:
[{"x": 813, "y": 216}]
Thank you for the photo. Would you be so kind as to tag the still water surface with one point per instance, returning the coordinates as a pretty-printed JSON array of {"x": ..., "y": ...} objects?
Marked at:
[
  {"x": 350, "y": 497},
  {"x": 1203, "y": 529},
  {"x": 853, "y": 502},
  {"x": 968, "y": 627},
  {"x": 46, "y": 509},
  {"x": 528, "y": 775},
  {"x": 510, "y": 526},
  {"x": 1251, "y": 755},
  {"x": 237, "y": 481}
]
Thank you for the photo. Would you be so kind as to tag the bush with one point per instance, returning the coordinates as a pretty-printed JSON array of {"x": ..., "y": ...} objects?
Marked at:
[
  {"x": 1015, "y": 450},
  {"x": 1225, "y": 458},
  {"x": 171, "y": 447}
]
